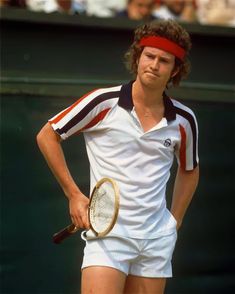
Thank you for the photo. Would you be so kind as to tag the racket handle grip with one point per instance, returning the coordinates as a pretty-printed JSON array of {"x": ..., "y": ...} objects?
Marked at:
[{"x": 64, "y": 233}]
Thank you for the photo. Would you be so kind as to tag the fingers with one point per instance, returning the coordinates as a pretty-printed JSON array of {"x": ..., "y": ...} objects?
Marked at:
[
  {"x": 79, "y": 212},
  {"x": 81, "y": 221}
]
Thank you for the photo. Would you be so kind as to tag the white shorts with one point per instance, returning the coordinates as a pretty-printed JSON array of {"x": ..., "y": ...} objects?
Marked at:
[{"x": 146, "y": 258}]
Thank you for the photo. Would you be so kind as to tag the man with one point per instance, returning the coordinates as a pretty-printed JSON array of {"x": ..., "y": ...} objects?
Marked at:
[
  {"x": 216, "y": 12},
  {"x": 181, "y": 10},
  {"x": 132, "y": 133},
  {"x": 138, "y": 10}
]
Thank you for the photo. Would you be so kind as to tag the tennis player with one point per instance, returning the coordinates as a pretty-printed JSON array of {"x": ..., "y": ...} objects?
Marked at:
[{"x": 132, "y": 133}]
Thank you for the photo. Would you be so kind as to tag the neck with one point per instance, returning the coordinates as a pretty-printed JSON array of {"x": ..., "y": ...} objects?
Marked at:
[{"x": 146, "y": 96}]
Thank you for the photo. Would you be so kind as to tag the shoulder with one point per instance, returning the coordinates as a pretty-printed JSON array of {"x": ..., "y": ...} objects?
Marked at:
[
  {"x": 184, "y": 114},
  {"x": 108, "y": 96},
  {"x": 109, "y": 91},
  {"x": 182, "y": 109}
]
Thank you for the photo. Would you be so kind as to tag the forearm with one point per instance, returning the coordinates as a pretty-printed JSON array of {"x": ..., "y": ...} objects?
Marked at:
[
  {"x": 49, "y": 144},
  {"x": 185, "y": 185}
]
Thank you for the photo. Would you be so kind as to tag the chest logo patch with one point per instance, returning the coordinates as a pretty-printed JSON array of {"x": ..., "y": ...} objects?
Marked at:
[{"x": 167, "y": 142}]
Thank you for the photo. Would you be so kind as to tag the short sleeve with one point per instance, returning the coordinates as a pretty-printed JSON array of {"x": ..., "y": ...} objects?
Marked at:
[
  {"x": 86, "y": 113},
  {"x": 187, "y": 149}
]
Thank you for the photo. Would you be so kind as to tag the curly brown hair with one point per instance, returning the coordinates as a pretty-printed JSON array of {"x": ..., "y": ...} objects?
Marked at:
[{"x": 169, "y": 29}]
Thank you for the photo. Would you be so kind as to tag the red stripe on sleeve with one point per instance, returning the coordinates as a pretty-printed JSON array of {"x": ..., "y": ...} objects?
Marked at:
[
  {"x": 62, "y": 114},
  {"x": 183, "y": 147},
  {"x": 96, "y": 119}
]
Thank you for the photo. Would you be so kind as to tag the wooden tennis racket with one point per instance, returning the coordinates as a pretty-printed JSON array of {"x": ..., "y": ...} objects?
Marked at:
[{"x": 102, "y": 212}]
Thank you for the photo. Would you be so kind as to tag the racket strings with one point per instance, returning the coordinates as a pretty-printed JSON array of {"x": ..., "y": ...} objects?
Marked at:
[{"x": 103, "y": 207}]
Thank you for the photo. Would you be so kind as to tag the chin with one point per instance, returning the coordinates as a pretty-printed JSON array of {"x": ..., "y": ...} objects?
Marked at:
[
  {"x": 150, "y": 81},
  {"x": 151, "y": 84}
]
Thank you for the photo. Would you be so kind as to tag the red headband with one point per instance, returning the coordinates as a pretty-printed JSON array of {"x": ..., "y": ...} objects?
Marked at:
[{"x": 164, "y": 44}]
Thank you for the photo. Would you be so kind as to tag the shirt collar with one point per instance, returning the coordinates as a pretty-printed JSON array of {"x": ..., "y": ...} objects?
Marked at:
[{"x": 126, "y": 101}]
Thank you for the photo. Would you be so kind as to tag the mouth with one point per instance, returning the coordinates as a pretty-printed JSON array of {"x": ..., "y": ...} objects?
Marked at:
[{"x": 152, "y": 74}]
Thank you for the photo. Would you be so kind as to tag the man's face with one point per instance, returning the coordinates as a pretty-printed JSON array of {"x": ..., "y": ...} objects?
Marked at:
[
  {"x": 155, "y": 67},
  {"x": 140, "y": 9}
]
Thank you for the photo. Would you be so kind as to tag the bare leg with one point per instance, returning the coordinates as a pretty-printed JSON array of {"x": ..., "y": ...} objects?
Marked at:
[
  {"x": 102, "y": 280},
  {"x": 141, "y": 285}
]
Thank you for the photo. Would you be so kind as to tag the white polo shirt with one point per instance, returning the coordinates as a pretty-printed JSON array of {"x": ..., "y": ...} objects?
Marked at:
[{"x": 139, "y": 161}]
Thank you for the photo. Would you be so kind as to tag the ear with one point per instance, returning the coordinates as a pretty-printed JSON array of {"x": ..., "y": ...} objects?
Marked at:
[{"x": 175, "y": 71}]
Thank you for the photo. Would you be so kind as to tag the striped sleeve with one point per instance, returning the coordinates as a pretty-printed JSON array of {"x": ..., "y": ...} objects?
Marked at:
[
  {"x": 187, "y": 151},
  {"x": 85, "y": 113}
]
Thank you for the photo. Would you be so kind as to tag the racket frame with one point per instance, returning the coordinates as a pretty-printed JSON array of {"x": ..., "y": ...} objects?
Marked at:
[{"x": 116, "y": 206}]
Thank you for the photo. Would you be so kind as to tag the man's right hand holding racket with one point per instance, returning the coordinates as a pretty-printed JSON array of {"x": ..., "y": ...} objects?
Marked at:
[{"x": 78, "y": 208}]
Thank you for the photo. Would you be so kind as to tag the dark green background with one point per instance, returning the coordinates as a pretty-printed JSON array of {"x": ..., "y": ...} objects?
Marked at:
[{"x": 47, "y": 62}]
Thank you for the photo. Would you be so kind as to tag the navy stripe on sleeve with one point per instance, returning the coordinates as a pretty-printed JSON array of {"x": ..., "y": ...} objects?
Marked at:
[{"x": 83, "y": 113}]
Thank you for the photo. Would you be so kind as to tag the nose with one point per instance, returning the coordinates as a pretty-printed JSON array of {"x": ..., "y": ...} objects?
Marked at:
[{"x": 155, "y": 64}]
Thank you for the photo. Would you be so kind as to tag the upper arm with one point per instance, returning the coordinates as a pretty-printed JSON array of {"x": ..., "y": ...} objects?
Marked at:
[
  {"x": 188, "y": 178},
  {"x": 47, "y": 133},
  {"x": 194, "y": 172}
]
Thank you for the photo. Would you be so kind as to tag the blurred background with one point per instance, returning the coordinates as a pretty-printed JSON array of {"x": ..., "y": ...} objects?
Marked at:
[{"x": 52, "y": 52}]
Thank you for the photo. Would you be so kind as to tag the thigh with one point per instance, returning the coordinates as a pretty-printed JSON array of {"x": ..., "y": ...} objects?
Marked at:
[
  {"x": 112, "y": 252},
  {"x": 102, "y": 280},
  {"x": 140, "y": 285},
  {"x": 154, "y": 260}
]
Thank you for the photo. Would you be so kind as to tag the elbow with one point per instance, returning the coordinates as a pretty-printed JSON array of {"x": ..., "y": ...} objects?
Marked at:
[
  {"x": 43, "y": 135},
  {"x": 46, "y": 135},
  {"x": 40, "y": 138}
]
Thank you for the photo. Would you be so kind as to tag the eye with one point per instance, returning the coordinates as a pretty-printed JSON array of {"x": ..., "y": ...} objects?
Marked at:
[
  {"x": 164, "y": 60},
  {"x": 150, "y": 56}
]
